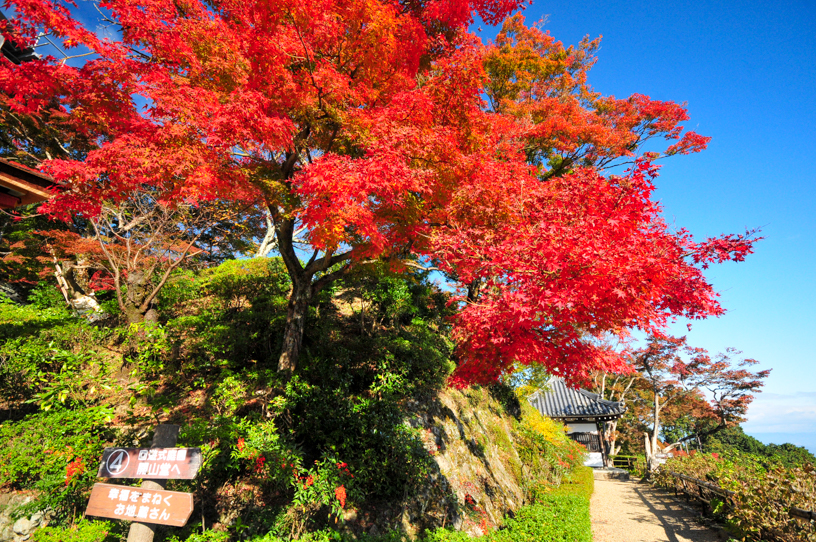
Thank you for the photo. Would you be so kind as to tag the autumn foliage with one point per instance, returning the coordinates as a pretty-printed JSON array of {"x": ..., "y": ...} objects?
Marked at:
[{"x": 390, "y": 133}]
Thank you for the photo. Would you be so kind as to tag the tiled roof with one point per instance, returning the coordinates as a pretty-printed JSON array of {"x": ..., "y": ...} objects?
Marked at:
[
  {"x": 10, "y": 50},
  {"x": 563, "y": 402}
]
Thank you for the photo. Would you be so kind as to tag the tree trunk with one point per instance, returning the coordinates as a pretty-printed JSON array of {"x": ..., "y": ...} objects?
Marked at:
[
  {"x": 653, "y": 464},
  {"x": 133, "y": 313},
  {"x": 83, "y": 303},
  {"x": 303, "y": 288},
  {"x": 611, "y": 437},
  {"x": 647, "y": 441},
  {"x": 295, "y": 323},
  {"x": 138, "y": 288},
  {"x": 269, "y": 241}
]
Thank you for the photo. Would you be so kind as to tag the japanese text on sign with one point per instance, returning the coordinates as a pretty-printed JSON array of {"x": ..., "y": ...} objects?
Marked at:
[
  {"x": 155, "y": 463},
  {"x": 163, "y": 463},
  {"x": 138, "y": 504},
  {"x": 150, "y": 505}
]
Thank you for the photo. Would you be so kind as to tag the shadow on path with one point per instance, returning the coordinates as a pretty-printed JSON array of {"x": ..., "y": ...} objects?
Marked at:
[{"x": 625, "y": 511}]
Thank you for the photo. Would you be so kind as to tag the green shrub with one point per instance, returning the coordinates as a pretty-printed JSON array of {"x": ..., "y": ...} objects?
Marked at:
[
  {"x": 44, "y": 374},
  {"x": 56, "y": 453},
  {"x": 218, "y": 439},
  {"x": 246, "y": 450},
  {"x": 562, "y": 515},
  {"x": 183, "y": 287},
  {"x": 206, "y": 536},
  {"x": 764, "y": 492},
  {"x": 323, "y": 535},
  {"x": 230, "y": 316},
  {"x": 447, "y": 535},
  {"x": 48, "y": 357},
  {"x": 82, "y": 531},
  {"x": 147, "y": 346},
  {"x": 27, "y": 320},
  {"x": 330, "y": 535},
  {"x": 352, "y": 411},
  {"x": 238, "y": 282},
  {"x": 263, "y": 453},
  {"x": 580, "y": 482},
  {"x": 558, "y": 518},
  {"x": 46, "y": 296}
]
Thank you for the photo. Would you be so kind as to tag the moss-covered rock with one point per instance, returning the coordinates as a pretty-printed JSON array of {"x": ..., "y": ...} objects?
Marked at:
[{"x": 479, "y": 474}]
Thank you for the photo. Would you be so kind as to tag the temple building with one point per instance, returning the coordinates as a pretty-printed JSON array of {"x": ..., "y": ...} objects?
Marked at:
[
  {"x": 11, "y": 50},
  {"x": 20, "y": 185},
  {"x": 584, "y": 414}
]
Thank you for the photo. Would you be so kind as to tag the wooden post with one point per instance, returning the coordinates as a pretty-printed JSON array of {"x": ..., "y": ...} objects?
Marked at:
[
  {"x": 599, "y": 425},
  {"x": 164, "y": 437}
]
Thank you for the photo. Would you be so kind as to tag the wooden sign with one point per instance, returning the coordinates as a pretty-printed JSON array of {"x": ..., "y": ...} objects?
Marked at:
[
  {"x": 139, "y": 504},
  {"x": 153, "y": 463}
]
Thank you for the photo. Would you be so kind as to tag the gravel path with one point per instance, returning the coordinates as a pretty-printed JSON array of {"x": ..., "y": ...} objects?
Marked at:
[{"x": 628, "y": 511}]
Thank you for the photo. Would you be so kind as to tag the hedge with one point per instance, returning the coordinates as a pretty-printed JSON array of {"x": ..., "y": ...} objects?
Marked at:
[{"x": 560, "y": 515}]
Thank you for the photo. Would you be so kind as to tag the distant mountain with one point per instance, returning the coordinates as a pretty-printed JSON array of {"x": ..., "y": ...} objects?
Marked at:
[
  {"x": 806, "y": 440},
  {"x": 791, "y": 449}
]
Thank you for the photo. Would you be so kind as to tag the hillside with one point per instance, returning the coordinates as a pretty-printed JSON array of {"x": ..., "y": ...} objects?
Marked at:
[{"x": 368, "y": 411}]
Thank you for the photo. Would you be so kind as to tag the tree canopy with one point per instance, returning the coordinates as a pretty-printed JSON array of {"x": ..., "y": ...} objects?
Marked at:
[{"x": 388, "y": 133}]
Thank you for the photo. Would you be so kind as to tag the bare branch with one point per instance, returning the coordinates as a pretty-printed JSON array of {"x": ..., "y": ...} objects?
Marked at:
[{"x": 414, "y": 265}]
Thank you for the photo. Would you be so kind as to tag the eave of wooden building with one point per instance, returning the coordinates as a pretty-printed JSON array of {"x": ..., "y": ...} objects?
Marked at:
[{"x": 20, "y": 185}]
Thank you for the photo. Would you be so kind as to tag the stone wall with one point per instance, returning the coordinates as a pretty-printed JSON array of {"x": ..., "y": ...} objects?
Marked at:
[
  {"x": 18, "y": 530},
  {"x": 477, "y": 477},
  {"x": 12, "y": 292}
]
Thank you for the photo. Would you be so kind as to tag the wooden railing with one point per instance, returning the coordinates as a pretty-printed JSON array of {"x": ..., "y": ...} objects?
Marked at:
[
  {"x": 629, "y": 462},
  {"x": 704, "y": 491}
]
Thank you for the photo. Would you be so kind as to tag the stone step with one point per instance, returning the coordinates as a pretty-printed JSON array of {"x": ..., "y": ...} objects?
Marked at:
[{"x": 610, "y": 474}]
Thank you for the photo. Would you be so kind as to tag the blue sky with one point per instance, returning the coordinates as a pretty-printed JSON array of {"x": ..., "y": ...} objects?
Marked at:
[{"x": 747, "y": 71}]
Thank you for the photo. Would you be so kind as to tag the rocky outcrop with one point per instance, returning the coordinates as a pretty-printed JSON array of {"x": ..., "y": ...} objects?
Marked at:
[
  {"x": 18, "y": 530},
  {"x": 12, "y": 292},
  {"x": 477, "y": 476}
]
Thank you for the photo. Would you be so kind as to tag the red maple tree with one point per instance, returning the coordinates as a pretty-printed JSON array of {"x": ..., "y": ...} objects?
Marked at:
[
  {"x": 671, "y": 373},
  {"x": 365, "y": 122}
]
